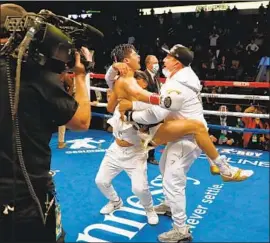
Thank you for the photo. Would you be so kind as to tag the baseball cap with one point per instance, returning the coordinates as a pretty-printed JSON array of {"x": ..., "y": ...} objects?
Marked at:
[
  {"x": 181, "y": 53},
  {"x": 10, "y": 9}
]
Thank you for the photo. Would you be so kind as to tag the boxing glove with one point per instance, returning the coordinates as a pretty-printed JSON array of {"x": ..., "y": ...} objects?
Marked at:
[{"x": 171, "y": 100}]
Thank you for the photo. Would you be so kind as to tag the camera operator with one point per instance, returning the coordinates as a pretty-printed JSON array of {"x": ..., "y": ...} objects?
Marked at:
[
  {"x": 68, "y": 82},
  {"x": 43, "y": 106}
]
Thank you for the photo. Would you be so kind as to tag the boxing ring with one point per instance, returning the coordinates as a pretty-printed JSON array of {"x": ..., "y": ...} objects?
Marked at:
[{"x": 217, "y": 211}]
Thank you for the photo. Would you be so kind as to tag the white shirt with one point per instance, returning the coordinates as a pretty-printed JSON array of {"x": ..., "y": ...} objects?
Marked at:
[
  {"x": 213, "y": 40},
  {"x": 252, "y": 47},
  {"x": 190, "y": 106},
  {"x": 131, "y": 40}
]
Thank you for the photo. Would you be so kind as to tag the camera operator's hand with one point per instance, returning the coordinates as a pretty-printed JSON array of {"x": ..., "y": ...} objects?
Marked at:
[
  {"x": 121, "y": 67},
  {"x": 87, "y": 54},
  {"x": 79, "y": 68}
]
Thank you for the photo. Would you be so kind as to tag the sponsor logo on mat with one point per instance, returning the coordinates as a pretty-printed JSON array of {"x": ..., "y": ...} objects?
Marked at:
[{"x": 85, "y": 145}]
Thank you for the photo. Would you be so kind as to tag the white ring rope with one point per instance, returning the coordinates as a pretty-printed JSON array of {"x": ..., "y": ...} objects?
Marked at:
[
  {"x": 98, "y": 89},
  {"x": 100, "y": 104},
  {"x": 225, "y": 96},
  {"x": 215, "y": 113},
  {"x": 238, "y": 114},
  {"x": 238, "y": 97}
]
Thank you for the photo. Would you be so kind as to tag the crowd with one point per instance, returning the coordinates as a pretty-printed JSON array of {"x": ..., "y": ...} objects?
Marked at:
[{"x": 227, "y": 44}]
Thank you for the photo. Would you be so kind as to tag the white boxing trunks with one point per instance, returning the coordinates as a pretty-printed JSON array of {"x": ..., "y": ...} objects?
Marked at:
[
  {"x": 123, "y": 130},
  {"x": 132, "y": 132}
]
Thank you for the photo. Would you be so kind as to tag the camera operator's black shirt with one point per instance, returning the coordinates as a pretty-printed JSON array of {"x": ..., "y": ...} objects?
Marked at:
[{"x": 44, "y": 105}]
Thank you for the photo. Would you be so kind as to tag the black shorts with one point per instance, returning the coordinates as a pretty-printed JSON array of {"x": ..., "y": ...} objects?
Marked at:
[{"x": 25, "y": 223}]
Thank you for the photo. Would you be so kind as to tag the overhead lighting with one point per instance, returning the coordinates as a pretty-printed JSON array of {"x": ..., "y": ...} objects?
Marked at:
[{"x": 206, "y": 7}]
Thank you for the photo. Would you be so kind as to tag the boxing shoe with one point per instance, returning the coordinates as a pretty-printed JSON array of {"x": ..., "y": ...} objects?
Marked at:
[
  {"x": 214, "y": 170},
  {"x": 230, "y": 173},
  {"x": 236, "y": 174}
]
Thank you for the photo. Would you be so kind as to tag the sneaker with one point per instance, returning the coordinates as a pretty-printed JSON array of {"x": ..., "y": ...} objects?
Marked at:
[
  {"x": 163, "y": 209},
  {"x": 176, "y": 234},
  {"x": 152, "y": 217},
  {"x": 231, "y": 173},
  {"x": 111, "y": 206}
]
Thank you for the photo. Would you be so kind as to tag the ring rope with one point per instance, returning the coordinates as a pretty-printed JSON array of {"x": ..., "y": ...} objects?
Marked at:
[
  {"x": 237, "y": 129},
  {"x": 225, "y": 96},
  {"x": 238, "y": 114},
  {"x": 237, "y": 97},
  {"x": 237, "y": 84},
  {"x": 217, "y": 113},
  {"x": 211, "y": 83},
  {"x": 217, "y": 127}
]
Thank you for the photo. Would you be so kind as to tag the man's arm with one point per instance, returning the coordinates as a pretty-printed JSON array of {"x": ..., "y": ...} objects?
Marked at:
[
  {"x": 82, "y": 117},
  {"x": 132, "y": 88},
  {"x": 169, "y": 98},
  {"x": 156, "y": 114},
  {"x": 247, "y": 47},
  {"x": 152, "y": 115},
  {"x": 114, "y": 71},
  {"x": 127, "y": 105},
  {"x": 139, "y": 106},
  {"x": 112, "y": 102}
]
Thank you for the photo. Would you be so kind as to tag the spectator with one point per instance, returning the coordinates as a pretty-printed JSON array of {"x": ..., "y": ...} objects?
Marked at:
[
  {"x": 222, "y": 136},
  {"x": 261, "y": 9},
  {"x": 152, "y": 73},
  {"x": 252, "y": 47},
  {"x": 213, "y": 41},
  {"x": 252, "y": 140}
]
